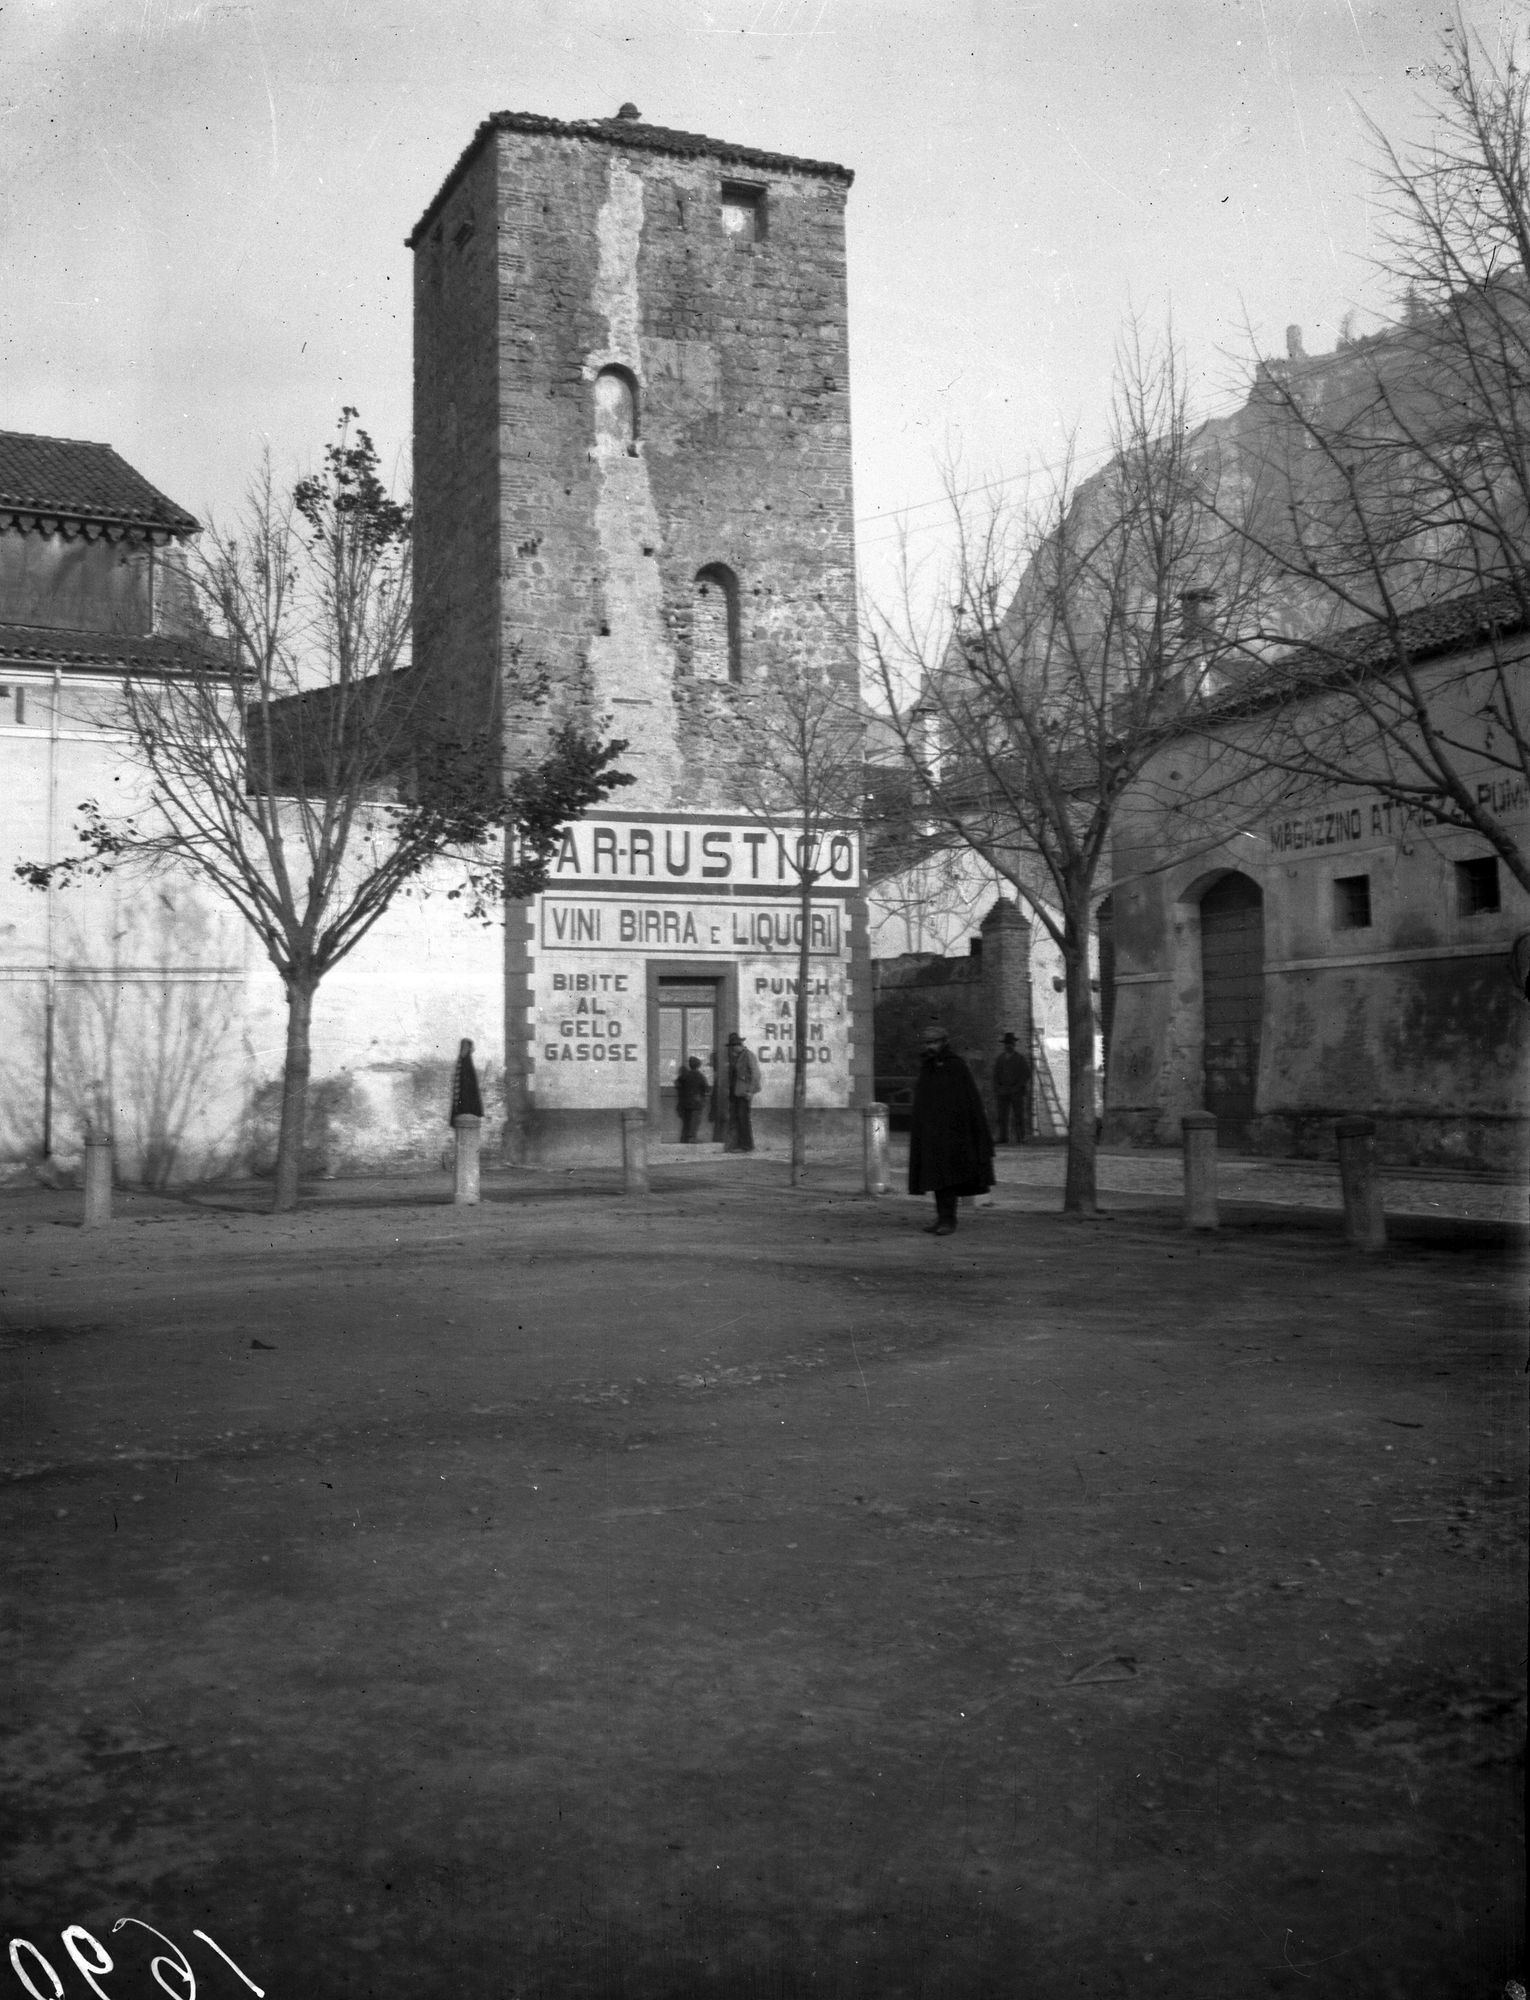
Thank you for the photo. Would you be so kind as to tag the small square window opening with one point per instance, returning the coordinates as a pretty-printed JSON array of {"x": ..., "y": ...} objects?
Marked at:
[
  {"x": 1352, "y": 903},
  {"x": 743, "y": 213},
  {"x": 1477, "y": 886}
]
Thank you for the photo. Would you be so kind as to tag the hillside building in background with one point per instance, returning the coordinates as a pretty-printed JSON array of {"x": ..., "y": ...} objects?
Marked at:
[{"x": 633, "y": 495}]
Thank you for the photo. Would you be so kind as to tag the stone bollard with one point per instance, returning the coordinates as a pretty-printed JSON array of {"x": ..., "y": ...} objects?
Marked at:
[
  {"x": 635, "y": 1152},
  {"x": 1200, "y": 1130},
  {"x": 469, "y": 1136},
  {"x": 874, "y": 1127},
  {"x": 1365, "y": 1221},
  {"x": 98, "y": 1182}
]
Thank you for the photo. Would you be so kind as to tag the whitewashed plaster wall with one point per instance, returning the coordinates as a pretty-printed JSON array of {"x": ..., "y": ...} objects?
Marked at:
[{"x": 168, "y": 1022}]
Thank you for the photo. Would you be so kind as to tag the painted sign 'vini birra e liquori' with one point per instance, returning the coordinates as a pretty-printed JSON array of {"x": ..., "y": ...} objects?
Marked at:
[{"x": 655, "y": 938}]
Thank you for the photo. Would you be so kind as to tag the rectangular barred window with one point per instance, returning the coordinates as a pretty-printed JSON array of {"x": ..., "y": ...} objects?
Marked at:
[
  {"x": 1352, "y": 903},
  {"x": 743, "y": 213}
]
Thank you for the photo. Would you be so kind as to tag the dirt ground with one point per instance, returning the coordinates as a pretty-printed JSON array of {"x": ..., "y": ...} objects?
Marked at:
[{"x": 734, "y": 1591}]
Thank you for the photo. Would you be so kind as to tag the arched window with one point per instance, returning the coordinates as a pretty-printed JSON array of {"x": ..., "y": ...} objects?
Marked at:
[
  {"x": 714, "y": 625},
  {"x": 616, "y": 410}
]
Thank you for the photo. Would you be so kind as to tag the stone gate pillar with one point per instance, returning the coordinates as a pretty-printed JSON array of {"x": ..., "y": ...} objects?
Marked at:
[{"x": 1007, "y": 974}]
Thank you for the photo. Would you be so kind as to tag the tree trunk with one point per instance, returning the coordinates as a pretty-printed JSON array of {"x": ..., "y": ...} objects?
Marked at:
[
  {"x": 289, "y": 1144},
  {"x": 800, "y": 1033},
  {"x": 1079, "y": 1191}
]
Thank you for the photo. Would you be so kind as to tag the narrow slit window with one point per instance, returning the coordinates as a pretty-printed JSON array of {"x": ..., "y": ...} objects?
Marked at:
[
  {"x": 715, "y": 653},
  {"x": 1352, "y": 903},
  {"x": 1477, "y": 892}
]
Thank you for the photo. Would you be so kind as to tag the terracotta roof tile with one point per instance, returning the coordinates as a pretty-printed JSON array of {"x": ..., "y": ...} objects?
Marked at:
[
  {"x": 1453, "y": 624},
  {"x": 47, "y": 646},
  {"x": 79, "y": 481}
]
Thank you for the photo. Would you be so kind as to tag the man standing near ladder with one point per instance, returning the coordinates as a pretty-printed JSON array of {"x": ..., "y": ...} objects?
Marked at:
[{"x": 1011, "y": 1087}]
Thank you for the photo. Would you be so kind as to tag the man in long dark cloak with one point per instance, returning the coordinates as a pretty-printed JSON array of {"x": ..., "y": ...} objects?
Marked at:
[{"x": 950, "y": 1148}]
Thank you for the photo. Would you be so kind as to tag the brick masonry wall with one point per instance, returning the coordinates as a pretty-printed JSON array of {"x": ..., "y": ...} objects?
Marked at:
[
  {"x": 586, "y": 254},
  {"x": 457, "y": 451}
]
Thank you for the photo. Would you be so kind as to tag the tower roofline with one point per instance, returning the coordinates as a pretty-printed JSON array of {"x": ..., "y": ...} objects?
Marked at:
[{"x": 634, "y": 137}]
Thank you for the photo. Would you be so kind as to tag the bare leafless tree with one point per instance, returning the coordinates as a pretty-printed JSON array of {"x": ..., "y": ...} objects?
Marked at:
[
  {"x": 1386, "y": 490},
  {"x": 1074, "y": 634},
  {"x": 298, "y": 765},
  {"x": 800, "y": 770}
]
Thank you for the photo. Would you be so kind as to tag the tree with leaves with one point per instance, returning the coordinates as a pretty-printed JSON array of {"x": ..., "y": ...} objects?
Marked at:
[
  {"x": 1075, "y": 633},
  {"x": 1385, "y": 491},
  {"x": 301, "y": 769},
  {"x": 800, "y": 770}
]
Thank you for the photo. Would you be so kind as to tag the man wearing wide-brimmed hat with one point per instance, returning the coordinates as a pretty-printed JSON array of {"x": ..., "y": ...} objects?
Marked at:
[
  {"x": 1011, "y": 1081},
  {"x": 744, "y": 1081}
]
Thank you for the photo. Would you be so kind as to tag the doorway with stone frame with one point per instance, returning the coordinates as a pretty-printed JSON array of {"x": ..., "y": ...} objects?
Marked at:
[{"x": 692, "y": 1007}]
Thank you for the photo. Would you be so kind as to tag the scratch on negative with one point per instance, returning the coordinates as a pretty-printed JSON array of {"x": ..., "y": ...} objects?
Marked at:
[
  {"x": 860, "y": 1371},
  {"x": 1089, "y": 167}
]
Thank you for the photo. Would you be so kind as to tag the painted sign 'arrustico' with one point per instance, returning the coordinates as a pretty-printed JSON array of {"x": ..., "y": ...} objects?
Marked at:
[
  {"x": 693, "y": 922},
  {"x": 663, "y": 854}
]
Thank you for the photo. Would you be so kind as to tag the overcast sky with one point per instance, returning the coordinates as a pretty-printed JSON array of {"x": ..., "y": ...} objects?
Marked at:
[{"x": 204, "y": 205}]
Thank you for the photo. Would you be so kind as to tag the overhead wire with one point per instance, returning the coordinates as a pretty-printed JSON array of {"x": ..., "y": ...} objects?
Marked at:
[{"x": 1096, "y": 455}]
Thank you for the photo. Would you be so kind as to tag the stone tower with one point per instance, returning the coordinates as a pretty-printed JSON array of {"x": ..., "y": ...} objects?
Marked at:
[{"x": 632, "y": 482}]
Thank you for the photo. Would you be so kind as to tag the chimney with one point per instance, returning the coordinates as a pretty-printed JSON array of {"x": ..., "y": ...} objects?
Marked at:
[{"x": 1294, "y": 349}]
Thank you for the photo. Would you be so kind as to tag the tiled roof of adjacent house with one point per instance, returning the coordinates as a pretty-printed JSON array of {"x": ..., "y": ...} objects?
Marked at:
[
  {"x": 632, "y": 133},
  {"x": 73, "y": 480},
  {"x": 47, "y": 646},
  {"x": 1454, "y": 624}
]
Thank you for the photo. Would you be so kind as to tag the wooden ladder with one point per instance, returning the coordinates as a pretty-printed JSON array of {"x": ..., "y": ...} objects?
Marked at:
[{"x": 1044, "y": 1098}]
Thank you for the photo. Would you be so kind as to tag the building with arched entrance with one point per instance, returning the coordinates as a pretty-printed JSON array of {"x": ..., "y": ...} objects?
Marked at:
[{"x": 1285, "y": 953}]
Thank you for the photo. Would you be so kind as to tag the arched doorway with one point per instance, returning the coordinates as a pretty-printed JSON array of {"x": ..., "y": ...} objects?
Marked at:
[{"x": 1232, "y": 994}]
